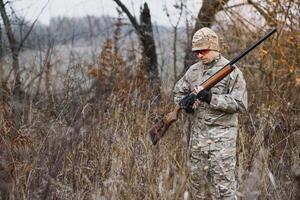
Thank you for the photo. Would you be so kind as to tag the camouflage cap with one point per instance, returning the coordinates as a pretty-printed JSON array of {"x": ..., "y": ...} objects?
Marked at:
[{"x": 205, "y": 38}]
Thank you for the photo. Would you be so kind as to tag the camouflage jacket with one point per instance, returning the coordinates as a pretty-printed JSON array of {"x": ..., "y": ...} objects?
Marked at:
[{"x": 229, "y": 96}]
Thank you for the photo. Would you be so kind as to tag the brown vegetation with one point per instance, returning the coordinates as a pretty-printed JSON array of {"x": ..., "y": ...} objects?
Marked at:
[{"x": 92, "y": 143}]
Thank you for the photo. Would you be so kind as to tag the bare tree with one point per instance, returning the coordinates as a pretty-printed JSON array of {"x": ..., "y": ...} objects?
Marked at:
[
  {"x": 179, "y": 6},
  {"x": 145, "y": 34},
  {"x": 1, "y": 57},
  {"x": 277, "y": 13},
  {"x": 1, "y": 44},
  {"x": 205, "y": 18},
  {"x": 14, "y": 45}
]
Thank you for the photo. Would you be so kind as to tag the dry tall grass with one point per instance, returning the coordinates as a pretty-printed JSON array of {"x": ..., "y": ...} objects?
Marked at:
[{"x": 93, "y": 144}]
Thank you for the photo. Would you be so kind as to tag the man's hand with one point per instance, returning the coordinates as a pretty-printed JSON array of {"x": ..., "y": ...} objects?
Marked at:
[
  {"x": 204, "y": 96},
  {"x": 197, "y": 89},
  {"x": 194, "y": 99},
  {"x": 196, "y": 104}
]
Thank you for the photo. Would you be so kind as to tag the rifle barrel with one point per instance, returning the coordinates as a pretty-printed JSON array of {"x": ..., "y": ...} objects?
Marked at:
[
  {"x": 227, "y": 69},
  {"x": 246, "y": 51}
]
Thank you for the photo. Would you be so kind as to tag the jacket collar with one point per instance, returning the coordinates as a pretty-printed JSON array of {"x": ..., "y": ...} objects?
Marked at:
[{"x": 213, "y": 63}]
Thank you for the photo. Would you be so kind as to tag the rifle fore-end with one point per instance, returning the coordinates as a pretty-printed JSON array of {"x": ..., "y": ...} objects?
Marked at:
[
  {"x": 161, "y": 127},
  {"x": 217, "y": 77}
]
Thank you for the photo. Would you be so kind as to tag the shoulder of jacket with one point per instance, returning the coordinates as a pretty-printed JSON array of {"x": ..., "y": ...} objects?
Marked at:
[
  {"x": 224, "y": 60},
  {"x": 195, "y": 66},
  {"x": 236, "y": 72}
]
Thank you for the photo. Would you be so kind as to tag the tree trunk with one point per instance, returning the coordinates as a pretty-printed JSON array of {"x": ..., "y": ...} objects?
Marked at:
[
  {"x": 206, "y": 17},
  {"x": 13, "y": 46},
  {"x": 175, "y": 53},
  {"x": 149, "y": 49},
  {"x": 145, "y": 34},
  {"x": 17, "y": 92},
  {"x": 1, "y": 45}
]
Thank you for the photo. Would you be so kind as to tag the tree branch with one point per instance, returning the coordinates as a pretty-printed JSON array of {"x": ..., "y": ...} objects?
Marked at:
[
  {"x": 129, "y": 15},
  {"x": 7, "y": 25},
  {"x": 267, "y": 17},
  {"x": 31, "y": 28}
]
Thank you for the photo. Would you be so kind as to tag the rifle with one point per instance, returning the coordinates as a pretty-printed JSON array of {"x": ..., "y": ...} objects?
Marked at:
[{"x": 160, "y": 128}]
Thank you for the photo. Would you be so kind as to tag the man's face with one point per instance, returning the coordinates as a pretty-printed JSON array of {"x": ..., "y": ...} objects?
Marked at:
[{"x": 206, "y": 55}]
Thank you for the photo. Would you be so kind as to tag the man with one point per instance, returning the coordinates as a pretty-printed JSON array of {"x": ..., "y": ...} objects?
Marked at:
[{"x": 212, "y": 146}]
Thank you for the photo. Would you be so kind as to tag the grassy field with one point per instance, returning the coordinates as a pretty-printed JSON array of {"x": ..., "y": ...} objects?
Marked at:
[{"x": 87, "y": 138}]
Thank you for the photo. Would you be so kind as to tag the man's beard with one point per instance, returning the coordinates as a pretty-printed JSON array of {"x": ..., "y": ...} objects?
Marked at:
[{"x": 207, "y": 61}]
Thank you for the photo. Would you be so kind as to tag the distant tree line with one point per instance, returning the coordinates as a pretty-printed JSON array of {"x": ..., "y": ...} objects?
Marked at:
[{"x": 61, "y": 30}]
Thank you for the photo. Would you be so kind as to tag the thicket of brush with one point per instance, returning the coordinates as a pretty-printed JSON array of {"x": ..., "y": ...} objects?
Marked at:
[{"x": 85, "y": 141}]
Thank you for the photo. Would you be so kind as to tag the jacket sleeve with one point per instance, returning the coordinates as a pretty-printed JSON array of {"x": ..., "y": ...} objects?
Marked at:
[
  {"x": 236, "y": 98},
  {"x": 181, "y": 88}
]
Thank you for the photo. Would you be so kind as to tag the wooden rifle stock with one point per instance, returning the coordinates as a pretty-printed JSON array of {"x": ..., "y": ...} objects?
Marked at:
[{"x": 160, "y": 128}]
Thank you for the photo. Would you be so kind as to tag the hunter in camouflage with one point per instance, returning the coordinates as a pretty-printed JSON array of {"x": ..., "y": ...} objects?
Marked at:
[{"x": 212, "y": 146}]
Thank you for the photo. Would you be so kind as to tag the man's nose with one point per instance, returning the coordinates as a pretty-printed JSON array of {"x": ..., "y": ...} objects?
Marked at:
[{"x": 199, "y": 54}]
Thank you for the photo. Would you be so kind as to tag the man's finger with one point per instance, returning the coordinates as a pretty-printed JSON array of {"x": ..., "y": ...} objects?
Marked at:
[
  {"x": 198, "y": 88},
  {"x": 196, "y": 104}
]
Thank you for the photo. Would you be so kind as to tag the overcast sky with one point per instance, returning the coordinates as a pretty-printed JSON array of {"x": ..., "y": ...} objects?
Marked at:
[{"x": 30, "y": 9}]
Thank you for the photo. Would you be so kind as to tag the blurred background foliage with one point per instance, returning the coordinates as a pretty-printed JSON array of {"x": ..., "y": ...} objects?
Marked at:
[{"x": 76, "y": 128}]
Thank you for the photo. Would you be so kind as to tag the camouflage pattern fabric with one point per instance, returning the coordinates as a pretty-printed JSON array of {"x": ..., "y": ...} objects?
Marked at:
[
  {"x": 212, "y": 148},
  {"x": 205, "y": 38}
]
